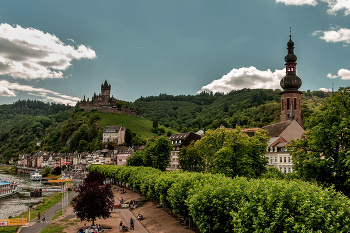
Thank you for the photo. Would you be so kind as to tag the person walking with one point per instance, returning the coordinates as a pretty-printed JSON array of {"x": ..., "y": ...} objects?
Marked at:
[
  {"x": 121, "y": 226},
  {"x": 43, "y": 219},
  {"x": 132, "y": 224},
  {"x": 39, "y": 217}
]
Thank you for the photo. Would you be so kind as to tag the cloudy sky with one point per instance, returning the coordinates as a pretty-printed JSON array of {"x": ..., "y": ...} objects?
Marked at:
[{"x": 60, "y": 50}]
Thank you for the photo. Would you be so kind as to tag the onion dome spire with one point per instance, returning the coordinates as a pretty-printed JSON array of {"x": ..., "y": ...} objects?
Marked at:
[{"x": 290, "y": 82}]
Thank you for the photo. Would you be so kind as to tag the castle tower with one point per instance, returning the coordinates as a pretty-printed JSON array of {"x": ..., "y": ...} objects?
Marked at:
[
  {"x": 105, "y": 92},
  {"x": 291, "y": 96}
]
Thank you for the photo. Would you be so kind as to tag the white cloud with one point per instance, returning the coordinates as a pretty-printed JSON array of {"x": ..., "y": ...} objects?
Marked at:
[
  {"x": 333, "y": 35},
  {"x": 246, "y": 77},
  {"x": 324, "y": 89},
  {"x": 71, "y": 40},
  {"x": 343, "y": 73},
  {"x": 29, "y": 53},
  {"x": 298, "y": 2},
  {"x": 7, "y": 89},
  {"x": 329, "y": 75},
  {"x": 333, "y": 5},
  {"x": 338, "y": 5},
  {"x": 4, "y": 91}
]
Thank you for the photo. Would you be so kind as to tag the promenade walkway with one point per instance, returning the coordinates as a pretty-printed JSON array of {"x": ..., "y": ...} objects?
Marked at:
[{"x": 35, "y": 227}]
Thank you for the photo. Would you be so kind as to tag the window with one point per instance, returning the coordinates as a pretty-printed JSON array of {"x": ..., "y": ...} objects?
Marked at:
[
  {"x": 285, "y": 170},
  {"x": 288, "y": 159},
  {"x": 270, "y": 160},
  {"x": 285, "y": 159},
  {"x": 288, "y": 104},
  {"x": 289, "y": 170},
  {"x": 282, "y": 104},
  {"x": 275, "y": 159},
  {"x": 295, "y": 103},
  {"x": 280, "y": 159}
]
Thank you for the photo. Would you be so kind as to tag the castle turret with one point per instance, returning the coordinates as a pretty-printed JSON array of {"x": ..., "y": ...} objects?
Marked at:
[
  {"x": 291, "y": 96},
  {"x": 105, "y": 92}
]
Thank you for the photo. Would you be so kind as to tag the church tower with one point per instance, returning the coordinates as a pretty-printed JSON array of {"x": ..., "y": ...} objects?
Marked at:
[
  {"x": 291, "y": 96},
  {"x": 105, "y": 92}
]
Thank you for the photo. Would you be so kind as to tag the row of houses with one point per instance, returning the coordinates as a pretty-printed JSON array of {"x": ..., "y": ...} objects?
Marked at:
[
  {"x": 77, "y": 161},
  {"x": 280, "y": 135}
]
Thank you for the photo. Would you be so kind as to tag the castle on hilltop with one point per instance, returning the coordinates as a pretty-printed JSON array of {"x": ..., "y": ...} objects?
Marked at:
[{"x": 103, "y": 102}]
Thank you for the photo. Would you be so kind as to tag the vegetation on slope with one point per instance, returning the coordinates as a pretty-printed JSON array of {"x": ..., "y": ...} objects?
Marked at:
[{"x": 252, "y": 108}]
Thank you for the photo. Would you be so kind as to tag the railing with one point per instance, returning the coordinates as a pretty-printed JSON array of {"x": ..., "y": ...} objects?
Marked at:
[{"x": 13, "y": 222}]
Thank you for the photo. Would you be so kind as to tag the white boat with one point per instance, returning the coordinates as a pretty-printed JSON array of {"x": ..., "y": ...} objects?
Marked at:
[
  {"x": 35, "y": 176},
  {"x": 8, "y": 187}
]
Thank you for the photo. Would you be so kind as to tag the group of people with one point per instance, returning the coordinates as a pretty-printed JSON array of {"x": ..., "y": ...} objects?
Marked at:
[
  {"x": 132, "y": 205},
  {"x": 132, "y": 223},
  {"x": 90, "y": 229},
  {"x": 125, "y": 228},
  {"x": 43, "y": 218}
]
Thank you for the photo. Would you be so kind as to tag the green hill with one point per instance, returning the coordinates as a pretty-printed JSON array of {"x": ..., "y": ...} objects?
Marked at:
[
  {"x": 252, "y": 107},
  {"x": 70, "y": 131},
  {"x": 63, "y": 129}
]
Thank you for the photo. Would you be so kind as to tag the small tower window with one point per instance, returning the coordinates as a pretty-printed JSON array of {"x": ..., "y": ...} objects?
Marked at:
[{"x": 288, "y": 104}]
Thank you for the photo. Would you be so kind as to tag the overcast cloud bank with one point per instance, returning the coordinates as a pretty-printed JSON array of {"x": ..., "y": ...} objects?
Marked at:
[{"x": 28, "y": 53}]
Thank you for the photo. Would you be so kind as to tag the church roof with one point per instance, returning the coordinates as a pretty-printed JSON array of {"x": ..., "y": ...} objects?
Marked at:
[{"x": 275, "y": 130}]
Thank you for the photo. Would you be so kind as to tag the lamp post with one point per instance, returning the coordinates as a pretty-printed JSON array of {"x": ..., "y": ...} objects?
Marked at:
[{"x": 30, "y": 199}]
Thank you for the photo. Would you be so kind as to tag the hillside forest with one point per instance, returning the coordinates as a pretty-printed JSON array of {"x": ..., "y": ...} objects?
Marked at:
[{"x": 28, "y": 126}]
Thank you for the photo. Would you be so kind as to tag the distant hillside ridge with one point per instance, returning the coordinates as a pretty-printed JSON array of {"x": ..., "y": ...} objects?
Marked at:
[{"x": 246, "y": 107}]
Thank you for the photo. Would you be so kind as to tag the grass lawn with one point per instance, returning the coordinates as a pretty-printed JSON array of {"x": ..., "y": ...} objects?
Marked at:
[{"x": 137, "y": 125}]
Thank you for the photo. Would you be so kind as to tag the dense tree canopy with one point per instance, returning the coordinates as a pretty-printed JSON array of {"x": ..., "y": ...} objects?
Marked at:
[
  {"x": 323, "y": 152},
  {"x": 252, "y": 107},
  {"x": 156, "y": 155},
  {"x": 227, "y": 151}
]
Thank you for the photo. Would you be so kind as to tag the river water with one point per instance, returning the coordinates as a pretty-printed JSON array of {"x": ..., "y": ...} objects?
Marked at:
[{"x": 19, "y": 202}]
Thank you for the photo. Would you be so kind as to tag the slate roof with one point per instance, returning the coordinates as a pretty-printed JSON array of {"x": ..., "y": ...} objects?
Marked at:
[
  {"x": 112, "y": 129},
  {"x": 275, "y": 130}
]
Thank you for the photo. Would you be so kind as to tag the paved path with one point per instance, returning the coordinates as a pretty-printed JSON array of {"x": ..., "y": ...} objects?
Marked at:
[
  {"x": 125, "y": 214},
  {"x": 35, "y": 227}
]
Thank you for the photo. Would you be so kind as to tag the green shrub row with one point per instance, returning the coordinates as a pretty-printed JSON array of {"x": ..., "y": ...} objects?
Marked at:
[{"x": 221, "y": 204}]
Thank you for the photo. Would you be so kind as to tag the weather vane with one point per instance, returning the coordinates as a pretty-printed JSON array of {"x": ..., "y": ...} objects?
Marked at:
[{"x": 290, "y": 32}]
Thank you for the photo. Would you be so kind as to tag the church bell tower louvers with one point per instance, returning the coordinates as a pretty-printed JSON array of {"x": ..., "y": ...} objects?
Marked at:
[{"x": 291, "y": 96}]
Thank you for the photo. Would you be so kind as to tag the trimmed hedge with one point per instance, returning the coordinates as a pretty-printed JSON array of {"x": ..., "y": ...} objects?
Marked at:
[{"x": 221, "y": 204}]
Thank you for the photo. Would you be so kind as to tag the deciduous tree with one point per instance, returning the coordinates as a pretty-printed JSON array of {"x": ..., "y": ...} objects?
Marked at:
[
  {"x": 228, "y": 151},
  {"x": 94, "y": 200},
  {"x": 323, "y": 152}
]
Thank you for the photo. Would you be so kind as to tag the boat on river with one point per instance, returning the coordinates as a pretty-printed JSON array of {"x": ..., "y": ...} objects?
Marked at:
[
  {"x": 35, "y": 176},
  {"x": 8, "y": 187}
]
